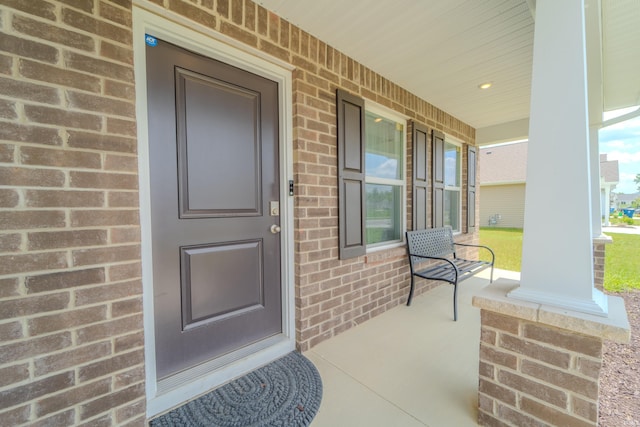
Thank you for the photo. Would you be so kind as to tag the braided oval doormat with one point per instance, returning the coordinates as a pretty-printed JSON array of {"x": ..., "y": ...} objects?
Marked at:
[{"x": 286, "y": 392}]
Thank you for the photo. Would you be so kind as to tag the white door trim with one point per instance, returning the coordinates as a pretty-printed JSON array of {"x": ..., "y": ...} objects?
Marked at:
[{"x": 163, "y": 395}]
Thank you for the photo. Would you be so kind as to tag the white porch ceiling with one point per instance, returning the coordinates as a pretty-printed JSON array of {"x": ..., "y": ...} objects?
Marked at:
[
  {"x": 621, "y": 53},
  {"x": 441, "y": 50}
]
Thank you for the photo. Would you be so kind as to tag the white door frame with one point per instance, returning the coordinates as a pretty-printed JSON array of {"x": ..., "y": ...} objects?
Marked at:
[{"x": 150, "y": 18}]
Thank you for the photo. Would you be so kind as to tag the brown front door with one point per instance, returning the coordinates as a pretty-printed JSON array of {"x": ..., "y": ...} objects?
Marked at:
[{"x": 213, "y": 138}]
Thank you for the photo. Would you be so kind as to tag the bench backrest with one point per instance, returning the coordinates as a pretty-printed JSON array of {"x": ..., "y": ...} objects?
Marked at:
[{"x": 436, "y": 242}]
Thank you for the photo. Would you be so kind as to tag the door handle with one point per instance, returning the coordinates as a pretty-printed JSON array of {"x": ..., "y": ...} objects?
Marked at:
[{"x": 275, "y": 229}]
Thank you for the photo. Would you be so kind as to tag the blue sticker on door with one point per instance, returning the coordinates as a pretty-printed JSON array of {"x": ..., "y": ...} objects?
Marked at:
[{"x": 150, "y": 40}]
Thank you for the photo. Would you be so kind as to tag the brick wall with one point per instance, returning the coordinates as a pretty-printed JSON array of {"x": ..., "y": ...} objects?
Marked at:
[
  {"x": 331, "y": 295},
  {"x": 599, "y": 249},
  {"x": 71, "y": 349},
  {"x": 70, "y": 291},
  {"x": 334, "y": 295},
  {"x": 536, "y": 375}
]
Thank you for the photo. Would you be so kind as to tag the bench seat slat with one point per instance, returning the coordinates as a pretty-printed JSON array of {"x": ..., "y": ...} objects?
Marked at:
[{"x": 445, "y": 272}]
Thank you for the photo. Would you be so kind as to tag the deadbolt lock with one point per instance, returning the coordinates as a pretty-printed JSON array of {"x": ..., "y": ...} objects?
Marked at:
[{"x": 274, "y": 208}]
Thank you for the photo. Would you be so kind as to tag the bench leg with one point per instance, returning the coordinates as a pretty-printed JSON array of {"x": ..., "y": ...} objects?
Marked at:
[
  {"x": 491, "y": 281},
  {"x": 410, "y": 292},
  {"x": 455, "y": 302}
]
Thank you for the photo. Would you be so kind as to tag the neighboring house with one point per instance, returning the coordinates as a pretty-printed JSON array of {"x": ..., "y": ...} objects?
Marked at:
[
  {"x": 609, "y": 178},
  {"x": 502, "y": 175},
  {"x": 623, "y": 201}
]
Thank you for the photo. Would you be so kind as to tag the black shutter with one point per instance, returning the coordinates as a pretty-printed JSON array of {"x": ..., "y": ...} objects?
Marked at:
[
  {"x": 438, "y": 179},
  {"x": 420, "y": 176},
  {"x": 471, "y": 189},
  {"x": 351, "y": 185}
]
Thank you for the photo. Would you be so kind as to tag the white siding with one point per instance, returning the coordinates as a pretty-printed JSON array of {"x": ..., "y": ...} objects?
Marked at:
[{"x": 507, "y": 201}]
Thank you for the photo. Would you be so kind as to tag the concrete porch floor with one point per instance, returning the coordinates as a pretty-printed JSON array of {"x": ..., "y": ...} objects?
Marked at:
[{"x": 411, "y": 366}]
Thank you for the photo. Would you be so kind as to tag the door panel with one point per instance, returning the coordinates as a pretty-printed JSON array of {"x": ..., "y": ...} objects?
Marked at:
[
  {"x": 203, "y": 265},
  {"x": 205, "y": 104},
  {"x": 213, "y": 137}
]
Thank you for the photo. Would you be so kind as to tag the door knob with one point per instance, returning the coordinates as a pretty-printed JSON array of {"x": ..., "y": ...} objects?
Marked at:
[{"x": 275, "y": 229}]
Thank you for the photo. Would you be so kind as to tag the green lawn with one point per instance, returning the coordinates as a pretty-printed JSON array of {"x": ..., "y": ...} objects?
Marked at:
[
  {"x": 622, "y": 259},
  {"x": 506, "y": 244},
  {"x": 622, "y": 263}
]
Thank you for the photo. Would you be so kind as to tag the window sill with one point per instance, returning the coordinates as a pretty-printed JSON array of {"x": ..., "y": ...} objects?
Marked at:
[{"x": 386, "y": 253}]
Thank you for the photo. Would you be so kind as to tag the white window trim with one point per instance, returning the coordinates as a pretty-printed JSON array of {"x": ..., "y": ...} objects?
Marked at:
[
  {"x": 400, "y": 118},
  {"x": 448, "y": 139}
]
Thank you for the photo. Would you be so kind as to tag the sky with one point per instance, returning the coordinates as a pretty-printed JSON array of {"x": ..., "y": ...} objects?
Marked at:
[
  {"x": 381, "y": 166},
  {"x": 621, "y": 142}
]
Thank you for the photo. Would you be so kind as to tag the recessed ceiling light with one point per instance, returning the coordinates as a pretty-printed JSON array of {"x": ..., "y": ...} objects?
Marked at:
[
  {"x": 377, "y": 119},
  {"x": 486, "y": 85}
]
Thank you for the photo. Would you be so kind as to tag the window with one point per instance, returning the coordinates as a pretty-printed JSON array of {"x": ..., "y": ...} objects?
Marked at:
[
  {"x": 452, "y": 184},
  {"x": 384, "y": 177},
  {"x": 372, "y": 201},
  {"x": 371, "y": 144}
]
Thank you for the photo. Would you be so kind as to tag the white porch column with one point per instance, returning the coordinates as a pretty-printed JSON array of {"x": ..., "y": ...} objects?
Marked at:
[
  {"x": 606, "y": 203},
  {"x": 557, "y": 253},
  {"x": 597, "y": 204}
]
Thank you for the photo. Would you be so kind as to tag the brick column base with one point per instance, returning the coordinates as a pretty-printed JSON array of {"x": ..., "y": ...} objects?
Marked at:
[
  {"x": 530, "y": 373},
  {"x": 539, "y": 366}
]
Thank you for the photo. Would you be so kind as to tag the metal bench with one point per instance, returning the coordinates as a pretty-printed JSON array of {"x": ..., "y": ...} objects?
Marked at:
[{"x": 432, "y": 255}]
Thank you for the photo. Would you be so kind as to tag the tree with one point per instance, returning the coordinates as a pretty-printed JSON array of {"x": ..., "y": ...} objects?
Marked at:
[{"x": 637, "y": 180}]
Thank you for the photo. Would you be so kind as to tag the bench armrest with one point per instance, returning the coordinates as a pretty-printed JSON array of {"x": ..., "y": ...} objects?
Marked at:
[
  {"x": 455, "y": 267},
  {"x": 493, "y": 255}
]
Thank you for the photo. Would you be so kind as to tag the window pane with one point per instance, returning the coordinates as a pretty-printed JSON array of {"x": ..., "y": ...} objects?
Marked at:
[
  {"x": 384, "y": 211},
  {"x": 451, "y": 165},
  {"x": 452, "y": 209},
  {"x": 383, "y": 147}
]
